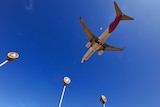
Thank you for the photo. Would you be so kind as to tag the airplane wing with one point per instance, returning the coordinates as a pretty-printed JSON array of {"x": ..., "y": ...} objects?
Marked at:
[
  {"x": 111, "y": 48},
  {"x": 88, "y": 32}
]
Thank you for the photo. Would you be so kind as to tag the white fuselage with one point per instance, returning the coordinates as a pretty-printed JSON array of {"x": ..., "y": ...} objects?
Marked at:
[{"x": 96, "y": 46}]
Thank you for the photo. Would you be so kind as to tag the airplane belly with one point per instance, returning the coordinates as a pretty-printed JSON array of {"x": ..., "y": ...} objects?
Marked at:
[
  {"x": 96, "y": 46},
  {"x": 88, "y": 54},
  {"x": 104, "y": 36}
]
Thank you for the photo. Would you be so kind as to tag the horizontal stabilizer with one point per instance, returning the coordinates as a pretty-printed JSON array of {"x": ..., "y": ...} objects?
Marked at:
[
  {"x": 125, "y": 17},
  {"x": 119, "y": 12}
]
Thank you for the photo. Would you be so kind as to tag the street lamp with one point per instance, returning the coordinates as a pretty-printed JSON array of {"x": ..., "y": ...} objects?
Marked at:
[
  {"x": 103, "y": 100},
  {"x": 11, "y": 57},
  {"x": 66, "y": 81}
]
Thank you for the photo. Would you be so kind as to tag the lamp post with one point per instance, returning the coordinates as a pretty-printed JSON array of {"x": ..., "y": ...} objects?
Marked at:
[
  {"x": 11, "y": 57},
  {"x": 103, "y": 100},
  {"x": 66, "y": 81}
]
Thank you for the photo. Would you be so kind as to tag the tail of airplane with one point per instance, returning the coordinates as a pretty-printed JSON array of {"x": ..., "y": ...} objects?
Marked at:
[{"x": 118, "y": 13}]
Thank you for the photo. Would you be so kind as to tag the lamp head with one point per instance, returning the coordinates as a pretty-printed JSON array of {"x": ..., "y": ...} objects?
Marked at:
[
  {"x": 103, "y": 99},
  {"x": 12, "y": 56},
  {"x": 67, "y": 80}
]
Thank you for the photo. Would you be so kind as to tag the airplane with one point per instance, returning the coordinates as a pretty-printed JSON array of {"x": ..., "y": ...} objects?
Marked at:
[{"x": 98, "y": 44}]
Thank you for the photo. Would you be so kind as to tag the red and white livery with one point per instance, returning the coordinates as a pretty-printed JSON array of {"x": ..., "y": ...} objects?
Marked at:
[{"x": 98, "y": 44}]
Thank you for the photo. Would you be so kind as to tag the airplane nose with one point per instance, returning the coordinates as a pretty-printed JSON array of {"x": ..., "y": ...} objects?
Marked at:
[{"x": 83, "y": 61}]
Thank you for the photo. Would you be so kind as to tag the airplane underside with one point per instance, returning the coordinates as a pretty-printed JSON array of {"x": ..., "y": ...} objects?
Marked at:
[
  {"x": 90, "y": 51},
  {"x": 98, "y": 44}
]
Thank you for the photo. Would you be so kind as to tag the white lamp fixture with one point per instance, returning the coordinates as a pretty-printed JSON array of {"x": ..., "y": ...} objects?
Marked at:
[
  {"x": 11, "y": 57},
  {"x": 103, "y": 100},
  {"x": 66, "y": 81}
]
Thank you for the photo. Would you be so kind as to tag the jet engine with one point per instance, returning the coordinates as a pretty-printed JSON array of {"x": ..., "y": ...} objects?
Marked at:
[
  {"x": 100, "y": 52},
  {"x": 88, "y": 44}
]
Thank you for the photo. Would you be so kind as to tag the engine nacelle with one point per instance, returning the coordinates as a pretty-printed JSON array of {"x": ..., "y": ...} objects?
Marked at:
[
  {"x": 88, "y": 44},
  {"x": 100, "y": 52}
]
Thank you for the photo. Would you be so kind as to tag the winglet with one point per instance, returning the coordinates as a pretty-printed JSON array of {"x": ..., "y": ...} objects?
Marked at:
[{"x": 119, "y": 12}]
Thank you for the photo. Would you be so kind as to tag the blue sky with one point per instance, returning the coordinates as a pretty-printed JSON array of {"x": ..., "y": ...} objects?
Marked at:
[{"x": 51, "y": 43}]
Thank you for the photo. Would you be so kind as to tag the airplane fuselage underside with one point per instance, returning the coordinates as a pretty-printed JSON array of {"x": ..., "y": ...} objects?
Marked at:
[
  {"x": 104, "y": 36},
  {"x": 96, "y": 45}
]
